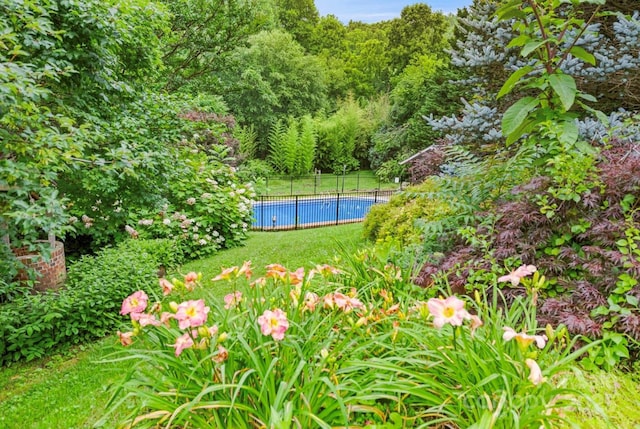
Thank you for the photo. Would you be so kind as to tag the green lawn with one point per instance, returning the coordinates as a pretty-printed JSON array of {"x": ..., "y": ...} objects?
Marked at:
[{"x": 70, "y": 389}]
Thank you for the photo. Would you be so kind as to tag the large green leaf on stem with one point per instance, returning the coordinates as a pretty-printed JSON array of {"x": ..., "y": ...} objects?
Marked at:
[
  {"x": 513, "y": 80},
  {"x": 583, "y": 55},
  {"x": 517, "y": 113},
  {"x": 565, "y": 87}
]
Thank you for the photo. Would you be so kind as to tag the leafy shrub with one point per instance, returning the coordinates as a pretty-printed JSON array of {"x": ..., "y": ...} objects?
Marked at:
[
  {"x": 206, "y": 209},
  {"x": 88, "y": 305},
  {"x": 589, "y": 245},
  {"x": 307, "y": 348},
  {"x": 390, "y": 170},
  {"x": 397, "y": 218}
]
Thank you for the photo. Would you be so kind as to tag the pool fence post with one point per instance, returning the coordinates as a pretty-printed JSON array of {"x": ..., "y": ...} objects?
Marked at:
[
  {"x": 296, "y": 214},
  {"x": 337, "y": 207},
  {"x": 337, "y": 181},
  {"x": 375, "y": 198},
  {"x": 262, "y": 212}
]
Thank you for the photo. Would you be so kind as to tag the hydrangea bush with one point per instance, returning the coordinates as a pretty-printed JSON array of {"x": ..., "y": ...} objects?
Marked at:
[
  {"x": 306, "y": 349},
  {"x": 206, "y": 210}
]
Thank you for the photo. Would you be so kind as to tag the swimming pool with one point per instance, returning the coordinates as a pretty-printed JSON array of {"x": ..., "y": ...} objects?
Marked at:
[{"x": 303, "y": 212}]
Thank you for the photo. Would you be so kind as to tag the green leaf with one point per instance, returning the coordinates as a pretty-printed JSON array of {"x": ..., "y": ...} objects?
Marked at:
[
  {"x": 510, "y": 10},
  {"x": 587, "y": 97},
  {"x": 517, "y": 113},
  {"x": 513, "y": 80},
  {"x": 521, "y": 40},
  {"x": 582, "y": 54},
  {"x": 531, "y": 46},
  {"x": 565, "y": 86},
  {"x": 569, "y": 133}
]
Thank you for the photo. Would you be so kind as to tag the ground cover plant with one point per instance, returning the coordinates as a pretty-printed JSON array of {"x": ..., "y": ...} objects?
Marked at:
[{"x": 85, "y": 309}]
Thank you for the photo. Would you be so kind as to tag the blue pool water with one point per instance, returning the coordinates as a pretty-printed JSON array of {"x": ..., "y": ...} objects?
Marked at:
[{"x": 307, "y": 212}]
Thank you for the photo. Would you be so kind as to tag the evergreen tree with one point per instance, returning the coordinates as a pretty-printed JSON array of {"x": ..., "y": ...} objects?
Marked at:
[{"x": 614, "y": 41}]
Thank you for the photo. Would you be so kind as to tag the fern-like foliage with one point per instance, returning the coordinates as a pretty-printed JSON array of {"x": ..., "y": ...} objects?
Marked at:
[
  {"x": 307, "y": 145},
  {"x": 290, "y": 146},
  {"x": 248, "y": 141},
  {"x": 277, "y": 147}
]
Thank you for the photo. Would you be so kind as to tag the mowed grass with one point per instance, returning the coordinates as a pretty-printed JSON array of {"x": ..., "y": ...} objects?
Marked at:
[{"x": 71, "y": 388}]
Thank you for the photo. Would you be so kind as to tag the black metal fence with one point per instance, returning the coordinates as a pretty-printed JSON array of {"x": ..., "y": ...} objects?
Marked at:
[
  {"x": 309, "y": 211},
  {"x": 319, "y": 183}
]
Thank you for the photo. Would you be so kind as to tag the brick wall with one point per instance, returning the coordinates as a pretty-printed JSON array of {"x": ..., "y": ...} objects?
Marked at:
[{"x": 51, "y": 274}]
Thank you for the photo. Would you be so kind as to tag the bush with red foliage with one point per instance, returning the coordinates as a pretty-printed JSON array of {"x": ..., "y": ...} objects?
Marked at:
[
  {"x": 215, "y": 130},
  {"x": 580, "y": 248}
]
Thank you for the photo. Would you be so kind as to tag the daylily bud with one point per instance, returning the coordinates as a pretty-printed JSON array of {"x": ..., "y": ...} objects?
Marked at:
[
  {"x": 173, "y": 306},
  {"x": 324, "y": 353},
  {"x": 476, "y": 296},
  {"x": 550, "y": 332},
  {"x": 222, "y": 337}
]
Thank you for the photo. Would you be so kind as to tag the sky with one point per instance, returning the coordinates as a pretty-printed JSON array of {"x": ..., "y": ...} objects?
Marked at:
[{"x": 379, "y": 10}]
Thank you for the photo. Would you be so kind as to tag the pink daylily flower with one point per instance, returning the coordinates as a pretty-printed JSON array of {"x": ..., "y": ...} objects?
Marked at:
[
  {"x": 134, "y": 303},
  {"x": 182, "y": 342},
  {"x": 191, "y": 314},
  {"x": 310, "y": 301},
  {"x": 342, "y": 301},
  {"x": 450, "y": 310},
  {"x": 212, "y": 331},
  {"x": 475, "y": 323},
  {"x": 326, "y": 269},
  {"x": 516, "y": 275},
  {"x": 165, "y": 317},
  {"x": 260, "y": 282},
  {"x": 535, "y": 374},
  {"x": 190, "y": 280},
  {"x": 274, "y": 323},
  {"x": 276, "y": 271},
  {"x": 145, "y": 319},
  {"x": 328, "y": 301},
  {"x": 296, "y": 277},
  {"x": 225, "y": 274},
  {"x": 166, "y": 286},
  {"x": 524, "y": 339},
  {"x": 232, "y": 300},
  {"x": 221, "y": 356},
  {"x": 246, "y": 270},
  {"x": 126, "y": 338}
]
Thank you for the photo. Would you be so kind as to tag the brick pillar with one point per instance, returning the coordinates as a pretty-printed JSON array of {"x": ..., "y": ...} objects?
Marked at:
[{"x": 51, "y": 274}]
